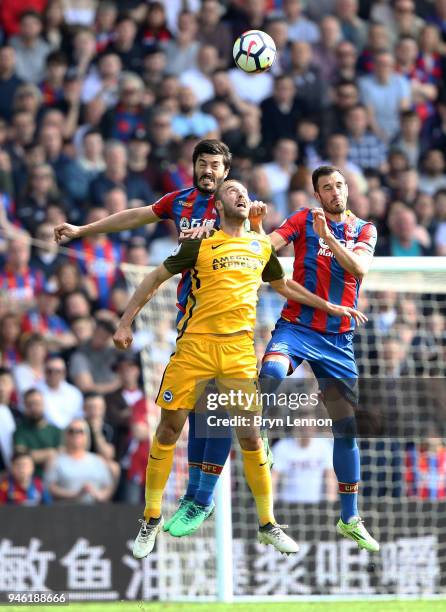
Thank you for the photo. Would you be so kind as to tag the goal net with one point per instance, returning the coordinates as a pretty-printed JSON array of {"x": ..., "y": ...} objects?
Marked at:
[{"x": 401, "y": 355}]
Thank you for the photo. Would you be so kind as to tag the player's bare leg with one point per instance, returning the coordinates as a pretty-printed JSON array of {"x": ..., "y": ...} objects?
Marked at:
[
  {"x": 258, "y": 477},
  {"x": 159, "y": 465}
]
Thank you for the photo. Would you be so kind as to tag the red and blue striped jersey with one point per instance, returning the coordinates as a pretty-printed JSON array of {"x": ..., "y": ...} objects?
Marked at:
[
  {"x": 35, "y": 321},
  {"x": 187, "y": 208},
  {"x": 21, "y": 286},
  {"x": 316, "y": 268},
  {"x": 10, "y": 357},
  {"x": 13, "y": 493},
  {"x": 426, "y": 473},
  {"x": 100, "y": 261}
]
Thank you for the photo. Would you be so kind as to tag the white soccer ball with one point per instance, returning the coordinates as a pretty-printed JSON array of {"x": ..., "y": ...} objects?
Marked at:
[{"x": 254, "y": 51}]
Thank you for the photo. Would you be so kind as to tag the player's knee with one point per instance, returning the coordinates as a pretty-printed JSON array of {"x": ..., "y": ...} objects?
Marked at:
[
  {"x": 273, "y": 369},
  {"x": 344, "y": 428},
  {"x": 250, "y": 442},
  {"x": 167, "y": 432}
]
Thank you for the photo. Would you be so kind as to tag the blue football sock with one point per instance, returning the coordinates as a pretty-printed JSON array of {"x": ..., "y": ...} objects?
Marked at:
[
  {"x": 273, "y": 370},
  {"x": 347, "y": 466},
  {"x": 195, "y": 450},
  {"x": 216, "y": 451},
  {"x": 271, "y": 375}
]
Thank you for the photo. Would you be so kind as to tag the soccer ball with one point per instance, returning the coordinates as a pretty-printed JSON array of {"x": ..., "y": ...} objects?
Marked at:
[{"x": 254, "y": 51}]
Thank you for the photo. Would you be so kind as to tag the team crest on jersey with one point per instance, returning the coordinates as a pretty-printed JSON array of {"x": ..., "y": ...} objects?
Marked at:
[
  {"x": 323, "y": 244},
  {"x": 184, "y": 223},
  {"x": 255, "y": 246},
  {"x": 168, "y": 396},
  {"x": 185, "y": 203},
  {"x": 325, "y": 250},
  {"x": 349, "y": 231}
]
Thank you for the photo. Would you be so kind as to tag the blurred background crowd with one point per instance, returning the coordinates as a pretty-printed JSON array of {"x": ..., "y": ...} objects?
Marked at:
[{"x": 101, "y": 105}]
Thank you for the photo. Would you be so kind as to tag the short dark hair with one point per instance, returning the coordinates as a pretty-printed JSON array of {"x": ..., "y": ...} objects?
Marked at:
[
  {"x": 57, "y": 57},
  {"x": 355, "y": 107},
  {"x": 28, "y": 340},
  {"x": 274, "y": 19},
  {"x": 88, "y": 318},
  {"x": 124, "y": 17},
  {"x": 283, "y": 77},
  {"x": 31, "y": 391},
  {"x": 346, "y": 82},
  {"x": 408, "y": 114},
  {"x": 440, "y": 192},
  {"x": 91, "y": 132},
  {"x": 19, "y": 454},
  {"x": 212, "y": 146},
  {"x": 5, "y": 371},
  {"x": 53, "y": 356},
  {"x": 92, "y": 394},
  {"x": 30, "y": 13},
  {"x": 323, "y": 171},
  {"x": 106, "y": 324}
]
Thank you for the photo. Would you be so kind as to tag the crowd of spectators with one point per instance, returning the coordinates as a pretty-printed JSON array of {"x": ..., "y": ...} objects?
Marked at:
[{"x": 101, "y": 105}]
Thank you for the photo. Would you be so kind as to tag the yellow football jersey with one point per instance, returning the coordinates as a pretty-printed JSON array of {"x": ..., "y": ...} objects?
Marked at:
[{"x": 226, "y": 273}]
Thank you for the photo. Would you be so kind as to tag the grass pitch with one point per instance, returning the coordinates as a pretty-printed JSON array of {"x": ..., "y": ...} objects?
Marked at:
[{"x": 326, "y": 606}]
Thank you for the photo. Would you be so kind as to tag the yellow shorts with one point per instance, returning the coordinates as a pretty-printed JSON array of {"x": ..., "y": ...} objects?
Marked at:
[{"x": 229, "y": 360}]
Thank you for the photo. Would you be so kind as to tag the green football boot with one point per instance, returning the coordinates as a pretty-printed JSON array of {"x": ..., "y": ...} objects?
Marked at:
[
  {"x": 188, "y": 522},
  {"x": 355, "y": 530},
  {"x": 182, "y": 508}
]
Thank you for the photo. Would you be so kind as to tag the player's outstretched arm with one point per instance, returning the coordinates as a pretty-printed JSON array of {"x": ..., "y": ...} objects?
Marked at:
[
  {"x": 144, "y": 292},
  {"x": 296, "y": 292},
  {"x": 126, "y": 219}
]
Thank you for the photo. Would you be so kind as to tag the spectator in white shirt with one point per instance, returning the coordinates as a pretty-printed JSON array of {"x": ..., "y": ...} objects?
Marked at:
[
  {"x": 299, "y": 27},
  {"x": 102, "y": 83},
  {"x": 408, "y": 139},
  {"x": 7, "y": 418},
  {"x": 251, "y": 87},
  {"x": 63, "y": 401},
  {"x": 191, "y": 120},
  {"x": 386, "y": 94},
  {"x": 199, "y": 77},
  {"x": 31, "y": 50},
  {"x": 283, "y": 166},
  {"x": 78, "y": 475},
  {"x": 353, "y": 27},
  {"x": 181, "y": 53},
  {"x": 31, "y": 370},
  {"x": 302, "y": 471},
  {"x": 433, "y": 175}
]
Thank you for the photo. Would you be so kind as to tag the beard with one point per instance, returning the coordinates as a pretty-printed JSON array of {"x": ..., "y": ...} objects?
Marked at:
[
  {"x": 239, "y": 214},
  {"x": 335, "y": 208},
  {"x": 185, "y": 109},
  {"x": 207, "y": 189},
  {"x": 35, "y": 418}
]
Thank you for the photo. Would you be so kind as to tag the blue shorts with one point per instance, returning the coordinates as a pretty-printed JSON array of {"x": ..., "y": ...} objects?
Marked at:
[{"x": 330, "y": 356}]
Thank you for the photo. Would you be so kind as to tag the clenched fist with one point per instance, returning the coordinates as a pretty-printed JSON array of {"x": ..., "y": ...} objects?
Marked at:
[
  {"x": 320, "y": 225},
  {"x": 257, "y": 213},
  {"x": 66, "y": 230},
  {"x": 123, "y": 338}
]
